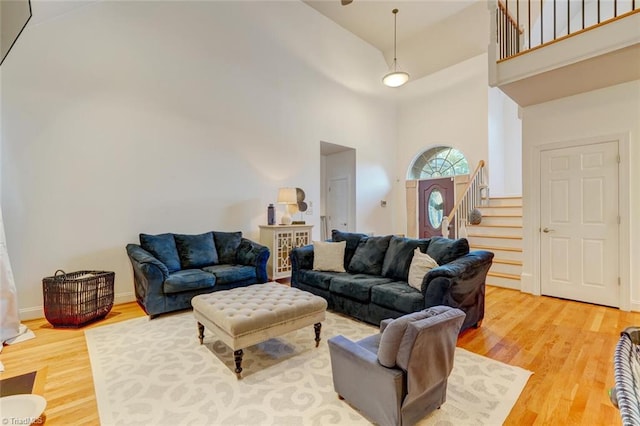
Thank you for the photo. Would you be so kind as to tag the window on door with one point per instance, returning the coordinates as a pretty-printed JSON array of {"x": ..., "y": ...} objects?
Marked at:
[{"x": 438, "y": 162}]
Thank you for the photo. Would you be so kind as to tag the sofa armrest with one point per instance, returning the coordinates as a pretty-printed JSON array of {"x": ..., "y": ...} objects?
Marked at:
[
  {"x": 251, "y": 253},
  {"x": 148, "y": 276},
  {"x": 460, "y": 284},
  {"x": 301, "y": 258},
  {"x": 139, "y": 255}
]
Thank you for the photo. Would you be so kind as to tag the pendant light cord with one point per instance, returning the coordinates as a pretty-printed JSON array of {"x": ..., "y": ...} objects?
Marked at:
[{"x": 395, "y": 30}]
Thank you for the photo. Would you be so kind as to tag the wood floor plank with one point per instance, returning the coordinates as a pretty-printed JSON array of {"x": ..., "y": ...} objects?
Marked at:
[{"x": 568, "y": 345}]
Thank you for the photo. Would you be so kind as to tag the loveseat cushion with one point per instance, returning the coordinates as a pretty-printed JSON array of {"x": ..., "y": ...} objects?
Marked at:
[
  {"x": 352, "y": 239},
  {"x": 319, "y": 279},
  {"x": 188, "y": 279},
  {"x": 369, "y": 256},
  {"x": 356, "y": 286},
  {"x": 397, "y": 295},
  {"x": 227, "y": 244},
  {"x": 196, "y": 251},
  {"x": 444, "y": 250},
  {"x": 397, "y": 259},
  {"x": 163, "y": 248},
  {"x": 226, "y": 274}
]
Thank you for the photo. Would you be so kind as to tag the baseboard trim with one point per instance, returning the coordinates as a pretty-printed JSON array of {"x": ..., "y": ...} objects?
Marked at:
[{"x": 37, "y": 312}]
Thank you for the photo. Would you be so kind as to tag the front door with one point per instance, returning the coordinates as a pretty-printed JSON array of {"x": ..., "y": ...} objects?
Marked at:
[
  {"x": 579, "y": 223},
  {"x": 435, "y": 201}
]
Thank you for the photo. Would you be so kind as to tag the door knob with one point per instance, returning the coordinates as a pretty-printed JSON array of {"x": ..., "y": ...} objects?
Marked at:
[{"x": 547, "y": 230}]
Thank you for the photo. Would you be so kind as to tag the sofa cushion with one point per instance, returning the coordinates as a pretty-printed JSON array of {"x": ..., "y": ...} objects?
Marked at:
[
  {"x": 226, "y": 273},
  {"x": 356, "y": 286},
  {"x": 398, "y": 296},
  {"x": 318, "y": 279},
  {"x": 328, "y": 256},
  {"x": 188, "y": 279},
  {"x": 227, "y": 244},
  {"x": 445, "y": 250},
  {"x": 196, "y": 251},
  {"x": 420, "y": 265},
  {"x": 399, "y": 255},
  {"x": 352, "y": 239},
  {"x": 163, "y": 248},
  {"x": 369, "y": 256},
  {"x": 393, "y": 334}
]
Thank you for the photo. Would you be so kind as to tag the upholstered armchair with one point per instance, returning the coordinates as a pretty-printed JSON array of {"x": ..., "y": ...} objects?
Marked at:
[{"x": 398, "y": 376}]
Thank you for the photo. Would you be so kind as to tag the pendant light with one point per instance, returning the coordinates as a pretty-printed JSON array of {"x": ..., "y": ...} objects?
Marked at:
[{"x": 395, "y": 78}]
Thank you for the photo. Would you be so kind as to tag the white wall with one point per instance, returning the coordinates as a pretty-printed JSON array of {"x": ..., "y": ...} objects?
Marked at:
[
  {"x": 505, "y": 145},
  {"x": 448, "y": 108},
  {"x": 602, "y": 113},
  {"x": 128, "y": 117}
]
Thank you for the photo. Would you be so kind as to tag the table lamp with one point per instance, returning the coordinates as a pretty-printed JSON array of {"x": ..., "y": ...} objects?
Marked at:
[{"x": 288, "y": 197}]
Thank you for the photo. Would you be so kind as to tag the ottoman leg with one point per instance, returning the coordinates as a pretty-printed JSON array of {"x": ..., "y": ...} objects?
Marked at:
[
  {"x": 200, "y": 332},
  {"x": 316, "y": 327},
  {"x": 238, "y": 356}
]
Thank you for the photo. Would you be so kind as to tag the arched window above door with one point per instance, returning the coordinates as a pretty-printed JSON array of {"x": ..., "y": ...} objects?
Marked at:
[{"x": 437, "y": 162}]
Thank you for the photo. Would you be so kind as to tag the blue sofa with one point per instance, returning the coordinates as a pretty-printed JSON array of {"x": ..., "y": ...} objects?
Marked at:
[
  {"x": 170, "y": 269},
  {"x": 374, "y": 286}
]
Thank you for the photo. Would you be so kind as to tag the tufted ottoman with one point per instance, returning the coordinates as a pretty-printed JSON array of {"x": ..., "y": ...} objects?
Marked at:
[{"x": 245, "y": 316}]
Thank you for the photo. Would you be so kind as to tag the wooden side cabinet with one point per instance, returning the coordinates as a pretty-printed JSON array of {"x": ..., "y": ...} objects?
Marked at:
[{"x": 281, "y": 239}]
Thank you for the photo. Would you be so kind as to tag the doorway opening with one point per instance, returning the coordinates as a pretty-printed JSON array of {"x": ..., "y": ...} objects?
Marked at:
[{"x": 337, "y": 188}]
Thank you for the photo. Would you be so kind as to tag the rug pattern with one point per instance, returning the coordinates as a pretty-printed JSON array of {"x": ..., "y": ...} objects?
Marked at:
[{"x": 156, "y": 373}]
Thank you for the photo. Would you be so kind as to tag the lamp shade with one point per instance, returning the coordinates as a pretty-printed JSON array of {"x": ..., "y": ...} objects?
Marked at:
[
  {"x": 395, "y": 78},
  {"x": 287, "y": 196}
]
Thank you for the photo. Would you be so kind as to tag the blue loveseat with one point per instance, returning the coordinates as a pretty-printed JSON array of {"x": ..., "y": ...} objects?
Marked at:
[
  {"x": 374, "y": 285},
  {"x": 170, "y": 269}
]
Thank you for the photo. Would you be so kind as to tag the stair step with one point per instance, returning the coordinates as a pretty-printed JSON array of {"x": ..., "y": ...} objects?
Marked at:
[
  {"x": 503, "y": 280},
  {"x": 493, "y": 220},
  {"x": 492, "y": 248},
  {"x": 504, "y": 253},
  {"x": 500, "y": 210},
  {"x": 508, "y": 267},
  {"x": 505, "y": 201},
  {"x": 507, "y": 261},
  {"x": 495, "y": 240},
  {"x": 490, "y": 229}
]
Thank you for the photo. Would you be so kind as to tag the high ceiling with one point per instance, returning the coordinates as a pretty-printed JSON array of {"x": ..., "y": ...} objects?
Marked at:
[{"x": 432, "y": 34}]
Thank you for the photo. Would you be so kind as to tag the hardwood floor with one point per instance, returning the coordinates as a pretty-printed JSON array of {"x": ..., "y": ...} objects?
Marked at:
[{"x": 568, "y": 345}]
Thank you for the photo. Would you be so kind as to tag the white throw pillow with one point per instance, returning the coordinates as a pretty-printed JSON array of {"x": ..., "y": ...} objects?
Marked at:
[
  {"x": 328, "y": 256},
  {"x": 420, "y": 265}
]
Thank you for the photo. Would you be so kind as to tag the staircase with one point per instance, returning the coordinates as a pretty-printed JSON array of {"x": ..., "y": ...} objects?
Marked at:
[{"x": 501, "y": 233}]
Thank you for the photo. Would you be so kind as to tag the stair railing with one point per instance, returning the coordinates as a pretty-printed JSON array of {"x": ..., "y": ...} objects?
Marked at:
[
  {"x": 537, "y": 23},
  {"x": 473, "y": 195}
]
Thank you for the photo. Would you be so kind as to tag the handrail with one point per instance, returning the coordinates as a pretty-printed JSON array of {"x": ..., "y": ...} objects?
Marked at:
[{"x": 470, "y": 195}]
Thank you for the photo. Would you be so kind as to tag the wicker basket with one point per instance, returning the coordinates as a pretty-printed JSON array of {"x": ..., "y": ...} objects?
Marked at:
[{"x": 77, "y": 298}]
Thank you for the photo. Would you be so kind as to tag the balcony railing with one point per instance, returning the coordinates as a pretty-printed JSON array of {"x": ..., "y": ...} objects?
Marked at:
[{"x": 523, "y": 25}]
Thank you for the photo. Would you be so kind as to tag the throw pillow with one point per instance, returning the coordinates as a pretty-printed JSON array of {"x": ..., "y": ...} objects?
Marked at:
[
  {"x": 392, "y": 336},
  {"x": 369, "y": 256},
  {"x": 328, "y": 256},
  {"x": 352, "y": 240},
  {"x": 420, "y": 265},
  {"x": 163, "y": 248},
  {"x": 227, "y": 244},
  {"x": 196, "y": 251},
  {"x": 445, "y": 250},
  {"x": 398, "y": 257}
]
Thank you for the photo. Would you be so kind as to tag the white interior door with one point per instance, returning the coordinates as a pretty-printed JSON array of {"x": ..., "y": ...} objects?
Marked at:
[
  {"x": 338, "y": 204},
  {"x": 579, "y": 223}
]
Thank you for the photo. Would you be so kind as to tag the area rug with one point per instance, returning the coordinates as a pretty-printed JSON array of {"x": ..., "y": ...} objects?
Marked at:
[{"x": 155, "y": 372}]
